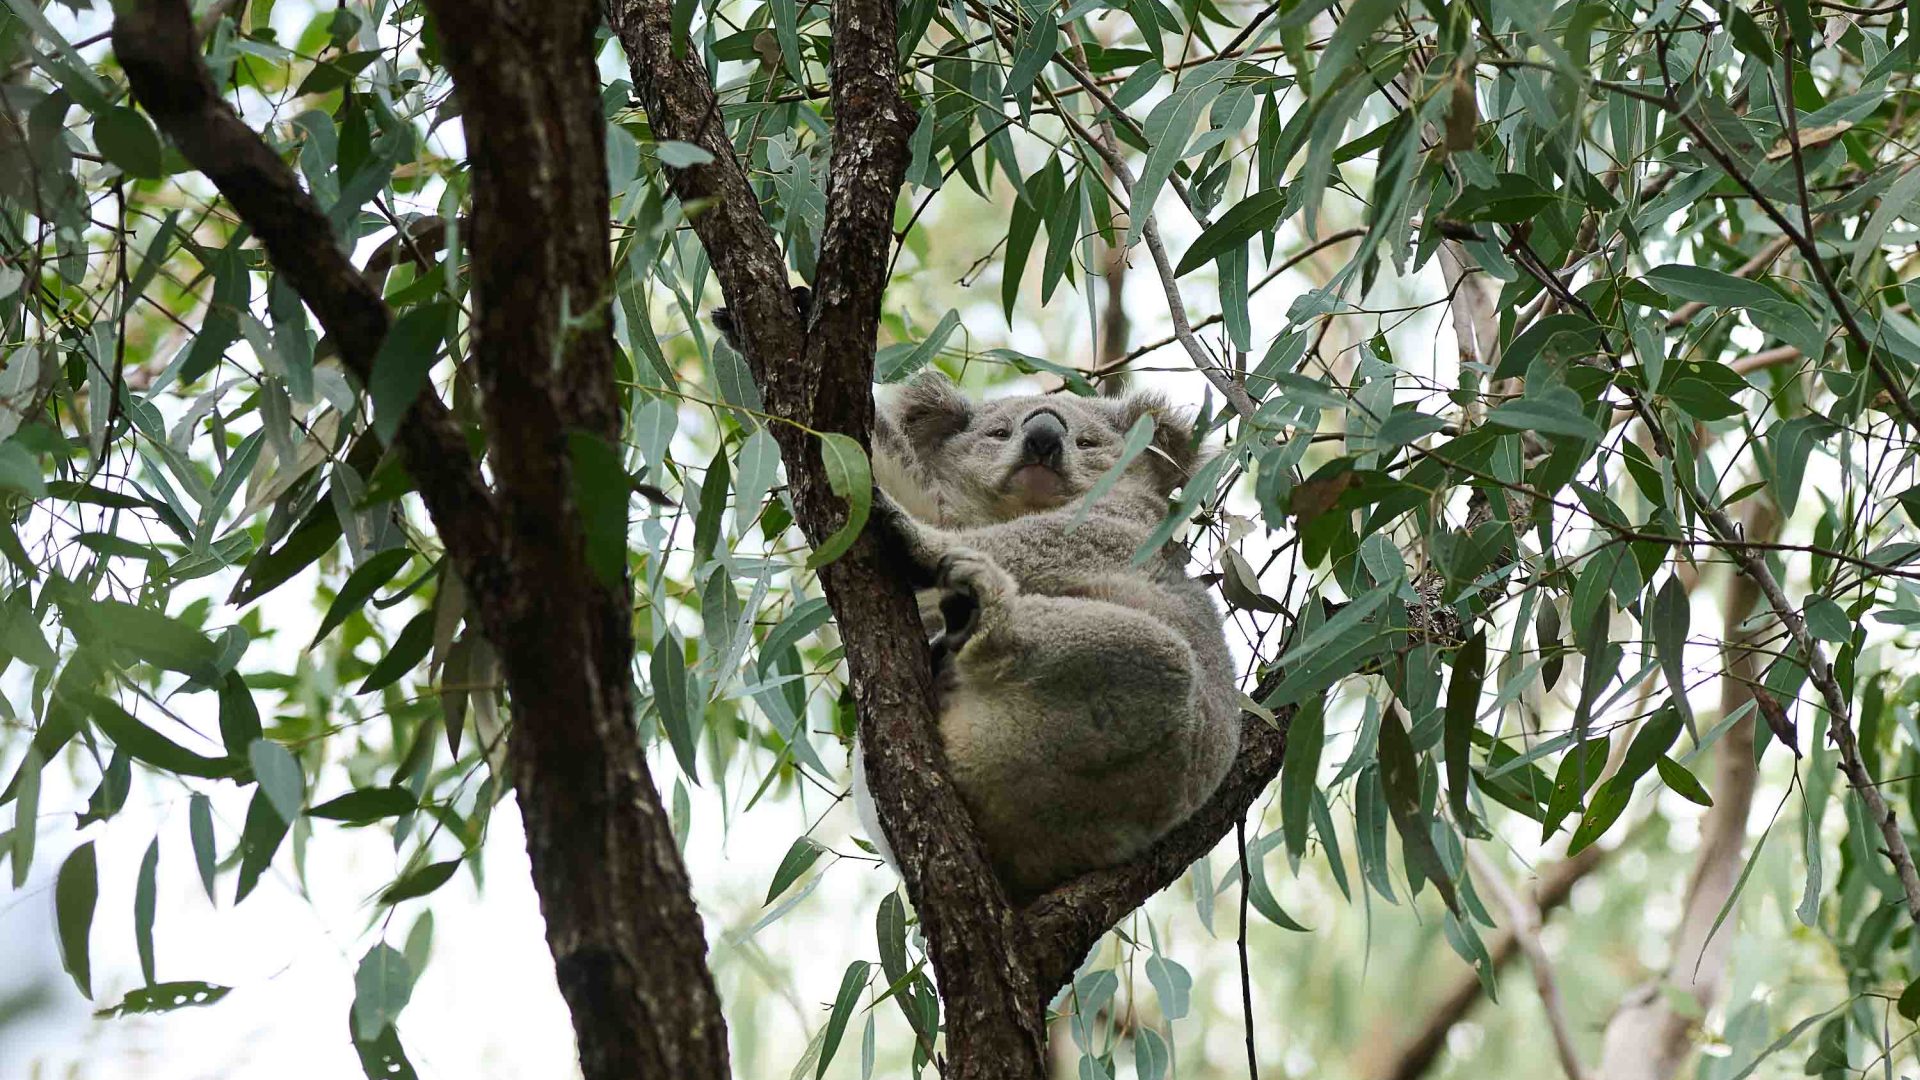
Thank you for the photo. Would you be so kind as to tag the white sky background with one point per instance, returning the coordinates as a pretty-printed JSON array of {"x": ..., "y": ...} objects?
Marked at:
[{"x": 487, "y": 1005}]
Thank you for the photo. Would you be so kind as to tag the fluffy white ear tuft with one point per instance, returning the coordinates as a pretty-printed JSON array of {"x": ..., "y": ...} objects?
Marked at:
[{"x": 1174, "y": 453}]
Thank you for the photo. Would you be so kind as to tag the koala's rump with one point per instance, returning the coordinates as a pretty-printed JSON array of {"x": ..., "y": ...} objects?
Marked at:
[{"x": 1048, "y": 802}]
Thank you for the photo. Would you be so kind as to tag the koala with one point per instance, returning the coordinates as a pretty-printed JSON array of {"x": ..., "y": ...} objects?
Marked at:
[{"x": 1086, "y": 704}]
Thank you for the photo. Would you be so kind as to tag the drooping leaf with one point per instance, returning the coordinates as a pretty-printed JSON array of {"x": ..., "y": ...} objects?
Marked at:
[
  {"x": 1463, "y": 703},
  {"x": 381, "y": 986},
  {"x": 74, "y": 892},
  {"x": 851, "y": 477},
  {"x": 165, "y": 997},
  {"x": 802, "y": 855},
  {"x": 360, "y": 587},
  {"x": 281, "y": 779},
  {"x": 420, "y": 882},
  {"x": 400, "y": 369},
  {"x": 144, "y": 894},
  {"x": 366, "y": 805},
  {"x": 409, "y": 648},
  {"x": 851, "y": 985},
  {"x": 200, "y": 821},
  {"x": 1400, "y": 778}
]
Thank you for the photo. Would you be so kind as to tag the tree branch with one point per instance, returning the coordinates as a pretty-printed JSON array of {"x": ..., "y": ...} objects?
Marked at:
[
  {"x": 1524, "y": 924},
  {"x": 627, "y": 943},
  {"x": 1418, "y": 1054}
]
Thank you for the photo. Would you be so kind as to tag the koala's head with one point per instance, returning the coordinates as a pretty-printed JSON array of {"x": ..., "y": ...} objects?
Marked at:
[{"x": 977, "y": 462}]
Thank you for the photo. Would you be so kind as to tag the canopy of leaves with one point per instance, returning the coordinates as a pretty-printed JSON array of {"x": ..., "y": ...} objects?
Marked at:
[{"x": 1523, "y": 594}]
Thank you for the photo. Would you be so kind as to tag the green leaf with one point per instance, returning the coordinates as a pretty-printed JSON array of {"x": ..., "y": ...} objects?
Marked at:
[
  {"x": 1031, "y": 54},
  {"x": 144, "y": 889},
  {"x": 1671, "y": 621},
  {"x": 1825, "y": 620},
  {"x": 20, "y": 634},
  {"x": 1747, "y": 34},
  {"x": 668, "y": 669},
  {"x": 1299, "y": 769},
  {"x": 381, "y": 986},
  {"x": 360, "y": 587},
  {"x": 1350, "y": 33},
  {"x": 260, "y": 837},
  {"x": 409, "y": 648},
  {"x": 1260, "y": 895},
  {"x": 367, "y": 805},
  {"x": 26, "y": 811},
  {"x": 1714, "y": 288},
  {"x": 851, "y": 477},
  {"x": 851, "y": 984},
  {"x": 1254, "y": 214},
  {"x": 125, "y": 138},
  {"x": 1554, "y": 412},
  {"x": 420, "y": 882},
  {"x": 381, "y": 1057},
  {"x": 147, "y": 634},
  {"x": 1682, "y": 782},
  {"x": 713, "y": 504},
  {"x": 74, "y": 893},
  {"x": 803, "y": 854},
  {"x": 1511, "y": 198},
  {"x": 165, "y": 997},
  {"x": 755, "y": 471},
  {"x": 200, "y": 825},
  {"x": 1463, "y": 703},
  {"x": 1170, "y": 129},
  {"x": 1400, "y": 778},
  {"x": 20, "y": 471},
  {"x": 1909, "y": 1003},
  {"x": 280, "y": 777},
  {"x": 239, "y": 716},
  {"x": 602, "y": 489},
  {"x": 1172, "y": 985},
  {"x": 1152, "y": 1058},
  {"x": 142, "y": 743},
  {"x": 681, "y": 155},
  {"x": 400, "y": 368},
  {"x": 906, "y": 362}
]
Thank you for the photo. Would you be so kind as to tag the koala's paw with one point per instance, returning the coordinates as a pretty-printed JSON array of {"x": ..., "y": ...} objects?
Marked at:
[
  {"x": 972, "y": 585},
  {"x": 905, "y": 539}
]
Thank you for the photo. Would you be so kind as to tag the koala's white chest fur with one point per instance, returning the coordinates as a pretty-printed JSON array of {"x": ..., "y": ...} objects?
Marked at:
[{"x": 1086, "y": 704}]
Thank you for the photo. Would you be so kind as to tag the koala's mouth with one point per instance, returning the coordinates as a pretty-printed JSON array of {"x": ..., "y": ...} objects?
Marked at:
[{"x": 1037, "y": 483}]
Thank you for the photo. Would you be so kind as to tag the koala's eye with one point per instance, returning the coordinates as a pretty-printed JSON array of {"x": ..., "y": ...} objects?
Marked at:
[
  {"x": 1085, "y": 442},
  {"x": 1002, "y": 432}
]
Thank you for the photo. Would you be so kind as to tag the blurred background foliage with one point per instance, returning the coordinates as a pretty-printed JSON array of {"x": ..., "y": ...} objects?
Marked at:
[{"x": 1519, "y": 298}]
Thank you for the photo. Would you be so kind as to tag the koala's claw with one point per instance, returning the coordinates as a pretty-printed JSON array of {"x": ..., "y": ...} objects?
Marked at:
[{"x": 971, "y": 582}]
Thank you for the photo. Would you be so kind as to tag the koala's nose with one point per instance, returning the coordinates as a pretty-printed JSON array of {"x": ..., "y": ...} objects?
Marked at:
[{"x": 1043, "y": 435}]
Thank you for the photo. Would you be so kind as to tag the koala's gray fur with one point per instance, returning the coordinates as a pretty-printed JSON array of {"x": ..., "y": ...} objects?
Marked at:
[{"x": 1087, "y": 704}]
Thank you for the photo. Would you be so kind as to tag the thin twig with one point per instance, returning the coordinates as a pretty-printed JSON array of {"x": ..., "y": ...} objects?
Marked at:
[{"x": 1524, "y": 922}]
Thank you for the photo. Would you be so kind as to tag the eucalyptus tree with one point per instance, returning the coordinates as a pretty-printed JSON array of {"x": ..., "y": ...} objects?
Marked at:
[{"x": 422, "y": 288}]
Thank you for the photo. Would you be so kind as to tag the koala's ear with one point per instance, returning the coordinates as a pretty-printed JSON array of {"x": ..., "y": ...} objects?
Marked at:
[
  {"x": 1174, "y": 453},
  {"x": 928, "y": 411}
]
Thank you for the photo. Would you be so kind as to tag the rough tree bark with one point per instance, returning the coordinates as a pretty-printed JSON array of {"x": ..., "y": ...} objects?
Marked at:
[{"x": 626, "y": 939}]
